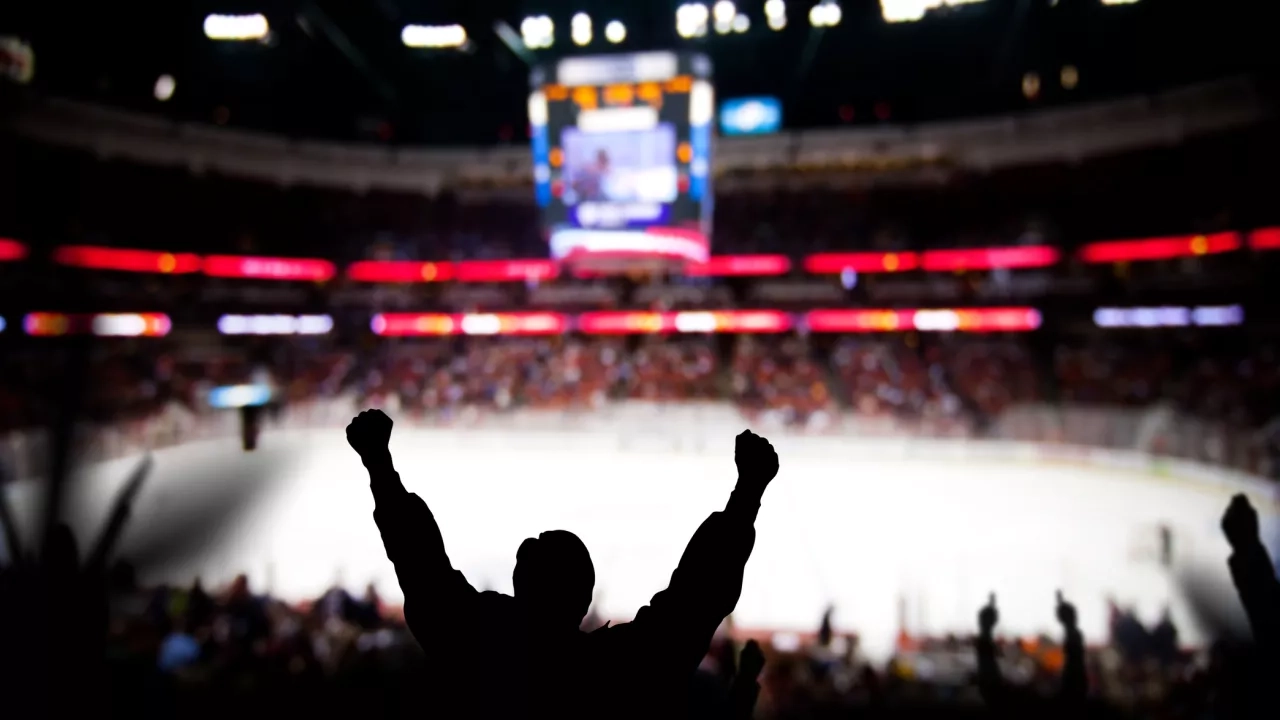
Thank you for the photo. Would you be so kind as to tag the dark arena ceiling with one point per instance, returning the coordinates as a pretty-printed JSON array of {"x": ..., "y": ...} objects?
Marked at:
[{"x": 337, "y": 69}]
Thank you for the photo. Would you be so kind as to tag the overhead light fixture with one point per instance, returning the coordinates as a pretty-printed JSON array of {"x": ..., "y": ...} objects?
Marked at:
[
  {"x": 896, "y": 11},
  {"x": 164, "y": 88},
  {"x": 775, "y": 13},
  {"x": 741, "y": 24},
  {"x": 691, "y": 20},
  {"x": 1070, "y": 77},
  {"x": 615, "y": 32},
  {"x": 236, "y": 27},
  {"x": 825, "y": 14},
  {"x": 433, "y": 36},
  {"x": 580, "y": 29},
  {"x": 538, "y": 32}
]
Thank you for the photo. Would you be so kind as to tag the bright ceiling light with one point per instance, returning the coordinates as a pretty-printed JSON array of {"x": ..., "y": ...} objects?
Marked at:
[
  {"x": 615, "y": 32},
  {"x": 538, "y": 32},
  {"x": 236, "y": 27},
  {"x": 580, "y": 29},
  {"x": 724, "y": 11},
  {"x": 691, "y": 20},
  {"x": 433, "y": 36},
  {"x": 165, "y": 86},
  {"x": 825, "y": 14},
  {"x": 896, "y": 11},
  {"x": 741, "y": 24}
]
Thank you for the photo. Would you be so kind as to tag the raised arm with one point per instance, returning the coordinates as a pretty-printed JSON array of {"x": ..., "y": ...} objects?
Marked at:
[
  {"x": 436, "y": 596},
  {"x": 990, "y": 681},
  {"x": 1254, "y": 576},
  {"x": 706, "y": 585},
  {"x": 1075, "y": 680}
]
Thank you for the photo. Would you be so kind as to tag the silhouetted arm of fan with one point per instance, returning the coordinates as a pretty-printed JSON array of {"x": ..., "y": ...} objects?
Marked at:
[{"x": 120, "y": 513}]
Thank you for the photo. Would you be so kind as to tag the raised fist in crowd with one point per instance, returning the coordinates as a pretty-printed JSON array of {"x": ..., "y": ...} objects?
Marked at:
[
  {"x": 988, "y": 616},
  {"x": 1240, "y": 523},
  {"x": 1066, "y": 613},
  {"x": 756, "y": 459},
  {"x": 369, "y": 434}
]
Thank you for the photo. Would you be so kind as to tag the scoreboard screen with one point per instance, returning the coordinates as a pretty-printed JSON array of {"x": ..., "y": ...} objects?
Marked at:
[{"x": 622, "y": 158}]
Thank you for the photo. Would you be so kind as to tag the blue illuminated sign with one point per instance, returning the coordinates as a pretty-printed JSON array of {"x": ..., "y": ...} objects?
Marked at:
[{"x": 751, "y": 116}]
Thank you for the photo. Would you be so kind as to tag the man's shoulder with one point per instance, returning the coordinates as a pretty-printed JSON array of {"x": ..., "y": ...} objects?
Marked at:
[{"x": 495, "y": 599}]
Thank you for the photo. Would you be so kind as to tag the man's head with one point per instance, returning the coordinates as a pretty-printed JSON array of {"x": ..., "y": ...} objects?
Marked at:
[{"x": 554, "y": 579}]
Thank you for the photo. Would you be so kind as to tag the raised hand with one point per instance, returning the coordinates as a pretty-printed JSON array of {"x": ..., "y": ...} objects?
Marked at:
[
  {"x": 1240, "y": 523},
  {"x": 988, "y": 616},
  {"x": 756, "y": 459},
  {"x": 1066, "y": 613},
  {"x": 369, "y": 434}
]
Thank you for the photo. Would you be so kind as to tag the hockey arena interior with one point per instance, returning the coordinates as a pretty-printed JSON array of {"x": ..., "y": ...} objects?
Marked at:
[{"x": 993, "y": 278}]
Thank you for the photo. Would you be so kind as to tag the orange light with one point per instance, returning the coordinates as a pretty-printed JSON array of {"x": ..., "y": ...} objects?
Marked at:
[
  {"x": 1199, "y": 245},
  {"x": 429, "y": 271},
  {"x": 684, "y": 152},
  {"x": 647, "y": 322},
  {"x": 682, "y": 84},
  {"x": 649, "y": 92},
  {"x": 167, "y": 263},
  {"x": 557, "y": 92},
  {"x": 619, "y": 95},
  {"x": 555, "y": 157},
  {"x": 586, "y": 98},
  {"x": 891, "y": 262}
]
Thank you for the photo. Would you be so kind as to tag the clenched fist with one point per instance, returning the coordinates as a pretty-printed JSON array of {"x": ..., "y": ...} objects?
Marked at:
[
  {"x": 1240, "y": 523},
  {"x": 1066, "y": 613},
  {"x": 756, "y": 459},
  {"x": 988, "y": 616},
  {"x": 369, "y": 435}
]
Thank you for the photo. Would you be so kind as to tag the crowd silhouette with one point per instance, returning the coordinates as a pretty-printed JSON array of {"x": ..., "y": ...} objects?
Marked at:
[{"x": 534, "y": 653}]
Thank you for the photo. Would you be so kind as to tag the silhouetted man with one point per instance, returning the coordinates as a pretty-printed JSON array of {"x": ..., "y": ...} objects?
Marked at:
[{"x": 493, "y": 655}]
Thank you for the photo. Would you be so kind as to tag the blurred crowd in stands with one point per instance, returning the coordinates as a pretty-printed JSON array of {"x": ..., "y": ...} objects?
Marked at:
[
  {"x": 206, "y": 651},
  {"x": 963, "y": 386}
]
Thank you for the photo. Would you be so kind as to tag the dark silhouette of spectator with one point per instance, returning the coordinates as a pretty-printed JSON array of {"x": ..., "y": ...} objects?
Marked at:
[
  {"x": 1007, "y": 701},
  {"x": 745, "y": 690},
  {"x": 1246, "y": 675},
  {"x": 1164, "y": 638},
  {"x": 545, "y": 666},
  {"x": 1253, "y": 573}
]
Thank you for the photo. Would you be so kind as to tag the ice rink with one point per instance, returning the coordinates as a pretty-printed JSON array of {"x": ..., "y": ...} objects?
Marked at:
[{"x": 872, "y": 537}]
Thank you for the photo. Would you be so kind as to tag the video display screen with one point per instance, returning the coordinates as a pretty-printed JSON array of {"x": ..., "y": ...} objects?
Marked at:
[{"x": 622, "y": 157}]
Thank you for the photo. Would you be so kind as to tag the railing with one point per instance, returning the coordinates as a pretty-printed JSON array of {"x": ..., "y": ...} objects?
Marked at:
[{"x": 1156, "y": 439}]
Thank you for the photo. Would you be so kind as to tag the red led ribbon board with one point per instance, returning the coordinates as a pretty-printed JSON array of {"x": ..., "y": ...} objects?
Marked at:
[
  {"x": 268, "y": 268},
  {"x": 440, "y": 324},
  {"x": 1164, "y": 248},
  {"x": 11, "y": 250},
  {"x": 125, "y": 260},
  {"x": 639, "y": 323},
  {"x": 1017, "y": 319}
]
